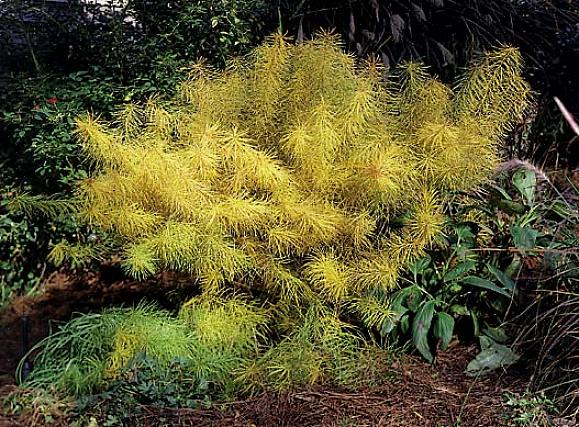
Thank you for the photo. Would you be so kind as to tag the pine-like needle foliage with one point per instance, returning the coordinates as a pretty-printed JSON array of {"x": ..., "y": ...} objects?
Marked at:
[{"x": 296, "y": 172}]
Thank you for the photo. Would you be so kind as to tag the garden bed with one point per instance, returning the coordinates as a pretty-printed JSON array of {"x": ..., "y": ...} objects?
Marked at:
[{"x": 413, "y": 394}]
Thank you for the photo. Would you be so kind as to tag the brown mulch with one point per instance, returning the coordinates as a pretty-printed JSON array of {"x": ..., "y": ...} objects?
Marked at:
[
  {"x": 416, "y": 394},
  {"x": 419, "y": 395}
]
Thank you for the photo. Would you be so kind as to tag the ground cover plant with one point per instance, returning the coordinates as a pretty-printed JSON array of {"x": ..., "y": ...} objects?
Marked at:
[{"x": 294, "y": 187}]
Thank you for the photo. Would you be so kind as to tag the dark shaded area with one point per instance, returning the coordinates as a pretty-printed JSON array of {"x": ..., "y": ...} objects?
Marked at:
[
  {"x": 127, "y": 38},
  {"x": 551, "y": 341}
]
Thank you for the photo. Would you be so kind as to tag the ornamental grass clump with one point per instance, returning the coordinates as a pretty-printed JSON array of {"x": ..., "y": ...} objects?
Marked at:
[
  {"x": 211, "y": 340},
  {"x": 90, "y": 350}
]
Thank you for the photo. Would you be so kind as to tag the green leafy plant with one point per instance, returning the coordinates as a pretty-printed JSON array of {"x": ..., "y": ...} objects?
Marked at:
[
  {"x": 17, "y": 276},
  {"x": 215, "y": 339},
  {"x": 148, "y": 37},
  {"x": 38, "y": 406},
  {"x": 475, "y": 270},
  {"x": 142, "y": 383},
  {"x": 530, "y": 409}
]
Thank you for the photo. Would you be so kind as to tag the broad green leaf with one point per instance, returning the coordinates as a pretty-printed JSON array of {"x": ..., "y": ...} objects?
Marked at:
[
  {"x": 502, "y": 277},
  {"x": 405, "y": 324},
  {"x": 417, "y": 268},
  {"x": 399, "y": 298},
  {"x": 475, "y": 323},
  {"x": 514, "y": 267},
  {"x": 511, "y": 207},
  {"x": 389, "y": 325},
  {"x": 443, "y": 329},
  {"x": 485, "y": 284},
  {"x": 406, "y": 298},
  {"x": 524, "y": 237},
  {"x": 525, "y": 181},
  {"x": 492, "y": 356},
  {"x": 420, "y": 327},
  {"x": 391, "y": 322},
  {"x": 464, "y": 233},
  {"x": 459, "y": 270},
  {"x": 502, "y": 192},
  {"x": 461, "y": 310},
  {"x": 497, "y": 334}
]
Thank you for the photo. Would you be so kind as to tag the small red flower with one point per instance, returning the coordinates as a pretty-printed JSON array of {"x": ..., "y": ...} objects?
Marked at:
[{"x": 52, "y": 100}]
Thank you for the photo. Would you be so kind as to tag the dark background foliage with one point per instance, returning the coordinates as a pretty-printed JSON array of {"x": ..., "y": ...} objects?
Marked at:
[{"x": 126, "y": 41}]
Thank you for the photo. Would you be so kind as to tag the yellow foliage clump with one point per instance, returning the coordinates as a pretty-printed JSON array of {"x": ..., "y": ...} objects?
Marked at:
[{"x": 296, "y": 172}]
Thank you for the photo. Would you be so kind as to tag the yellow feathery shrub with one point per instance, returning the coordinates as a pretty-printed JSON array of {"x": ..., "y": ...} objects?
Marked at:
[{"x": 295, "y": 173}]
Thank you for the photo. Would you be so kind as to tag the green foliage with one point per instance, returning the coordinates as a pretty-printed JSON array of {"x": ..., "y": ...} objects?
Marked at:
[
  {"x": 21, "y": 266},
  {"x": 17, "y": 275},
  {"x": 214, "y": 339},
  {"x": 530, "y": 409},
  {"x": 39, "y": 120},
  {"x": 138, "y": 38},
  {"x": 212, "y": 29},
  {"x": 227, "y": 337},
  {"x": 319, "y": 348},
  {"x": 85, "y": 352},
  {"x": 143, "y": 382},
  {"x": 43, "y": 157},
  {"x": 474, "y": 272}
]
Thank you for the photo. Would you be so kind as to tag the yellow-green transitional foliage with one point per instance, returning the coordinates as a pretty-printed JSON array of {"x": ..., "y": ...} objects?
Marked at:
[{"x": 295, "y": 173}]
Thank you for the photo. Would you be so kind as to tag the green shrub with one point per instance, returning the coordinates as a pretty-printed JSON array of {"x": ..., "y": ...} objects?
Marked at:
[
  {"x": 143, "y": 382},
  {"x": 295, "y": 177},
  {"x": 17, "y": 275},
  {"x": 299, "y": 175}
]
